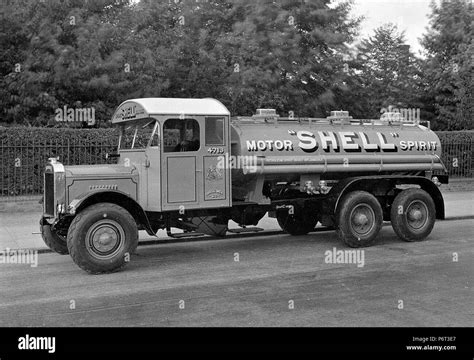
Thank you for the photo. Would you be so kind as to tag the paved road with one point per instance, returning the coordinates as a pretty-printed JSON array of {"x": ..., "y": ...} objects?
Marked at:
[
  {"x": 20, "y": 230},
  {"x": 200, "y": 284}
]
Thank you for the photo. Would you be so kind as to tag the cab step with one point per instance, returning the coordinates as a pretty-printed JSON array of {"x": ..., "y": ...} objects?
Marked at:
[{"x": 245, "y": 230}]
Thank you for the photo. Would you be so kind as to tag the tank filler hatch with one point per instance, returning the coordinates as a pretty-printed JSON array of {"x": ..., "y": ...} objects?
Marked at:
[{"x": 266, "y": 115}]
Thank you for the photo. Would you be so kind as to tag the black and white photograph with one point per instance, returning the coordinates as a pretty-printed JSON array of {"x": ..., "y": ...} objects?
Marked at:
[{"x": 234, "y": 169}]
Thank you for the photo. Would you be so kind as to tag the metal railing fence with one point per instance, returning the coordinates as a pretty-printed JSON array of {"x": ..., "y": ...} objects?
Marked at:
[{"x": 22, "y": 162}]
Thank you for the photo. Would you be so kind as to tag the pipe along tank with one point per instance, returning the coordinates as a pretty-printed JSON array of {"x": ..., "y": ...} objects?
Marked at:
[{"x": 344, "y": 173}]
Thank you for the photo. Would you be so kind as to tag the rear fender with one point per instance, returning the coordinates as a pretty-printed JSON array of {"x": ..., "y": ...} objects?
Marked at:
[{"x": 379, "y": 185}]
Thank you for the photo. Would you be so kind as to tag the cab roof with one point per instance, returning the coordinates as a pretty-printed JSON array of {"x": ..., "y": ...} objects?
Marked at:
[{"x": 135, "y": 109}]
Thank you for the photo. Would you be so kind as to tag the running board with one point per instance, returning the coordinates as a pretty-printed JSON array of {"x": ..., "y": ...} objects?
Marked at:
[
  {"x": 185, "y": 235},
  {"x": 244, "y": 230}
]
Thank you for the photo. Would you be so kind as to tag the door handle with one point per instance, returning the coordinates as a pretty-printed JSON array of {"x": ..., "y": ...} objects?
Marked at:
[{"x": 147, "y": 163}]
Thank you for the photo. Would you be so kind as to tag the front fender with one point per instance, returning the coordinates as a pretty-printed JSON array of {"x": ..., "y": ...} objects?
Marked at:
[{"x": 112, "y": 196}]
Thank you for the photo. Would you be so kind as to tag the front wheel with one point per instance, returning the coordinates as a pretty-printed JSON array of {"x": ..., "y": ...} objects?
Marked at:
[
  {"x": 102, "y": 238},
  {"x": 359, "y": 219},
  {"x": 413, "y": 214}
]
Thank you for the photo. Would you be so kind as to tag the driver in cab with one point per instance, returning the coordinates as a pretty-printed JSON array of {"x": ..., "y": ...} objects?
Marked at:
[{"x": 190, "y": 141}]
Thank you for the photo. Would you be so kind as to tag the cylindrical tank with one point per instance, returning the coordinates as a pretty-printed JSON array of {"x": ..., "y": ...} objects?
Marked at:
[{"x": 322, "y": 147}]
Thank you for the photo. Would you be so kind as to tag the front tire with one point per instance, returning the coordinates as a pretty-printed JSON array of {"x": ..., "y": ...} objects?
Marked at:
[
  {"x": 413, "y": 215},
  {"x": 52, "y": 239},
  {"x": 359, "y": 219},
  {"x": 102, "y": 238}
]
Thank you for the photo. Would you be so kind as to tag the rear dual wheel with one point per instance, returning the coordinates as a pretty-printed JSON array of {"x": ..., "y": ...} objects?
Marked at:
[
  {"x": 297, "y": 224},
  {"x": 359, "y": 219},
  {"x": 413, "y": 214}
]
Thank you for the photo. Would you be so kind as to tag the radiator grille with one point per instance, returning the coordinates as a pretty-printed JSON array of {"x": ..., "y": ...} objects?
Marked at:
[{"x": 49, "y": 193}]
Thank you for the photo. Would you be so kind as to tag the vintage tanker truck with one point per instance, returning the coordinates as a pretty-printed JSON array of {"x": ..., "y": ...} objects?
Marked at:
[{"x": 184, "y": 163}]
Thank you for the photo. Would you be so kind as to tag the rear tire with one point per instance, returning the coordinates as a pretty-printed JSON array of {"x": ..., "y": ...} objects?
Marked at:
[
  {"x": 359, "y": 219},
  {"x": 297, "y": 224},
  {"x": 102, "y": 238},
  {"x": 53, "y": 240},
  {"x": 413, "y": 215}
]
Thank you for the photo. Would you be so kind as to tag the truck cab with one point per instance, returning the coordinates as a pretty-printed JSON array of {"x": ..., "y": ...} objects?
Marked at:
[
  {"x": 174, "y": 144},
  {"x": 168, "y": 153}
]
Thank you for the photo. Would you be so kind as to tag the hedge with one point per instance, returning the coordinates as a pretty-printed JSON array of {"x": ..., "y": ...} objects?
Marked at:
[
  {"x": 16, "y": 135},
  {"x": 24, "y": 152}
]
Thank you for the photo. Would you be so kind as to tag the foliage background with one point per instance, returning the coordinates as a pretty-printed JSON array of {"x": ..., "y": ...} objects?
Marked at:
[{"x": 290, "y": 55}]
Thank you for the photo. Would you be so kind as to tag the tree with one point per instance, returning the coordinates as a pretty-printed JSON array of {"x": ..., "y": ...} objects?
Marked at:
[
  {"x": 287, "y": 55},
  {"x": 449, "y": 44},
  {"x": 384, "y": 73},
  {"x": 76, "y": 55},
  {"x": 248, "y": 54}
]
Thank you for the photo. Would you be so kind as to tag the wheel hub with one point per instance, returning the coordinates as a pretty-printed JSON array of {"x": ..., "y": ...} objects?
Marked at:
[
  {"x": 104, "y": 239},
  {"x": 362, "y": 219},
  {"x": 417, "y": 214}
]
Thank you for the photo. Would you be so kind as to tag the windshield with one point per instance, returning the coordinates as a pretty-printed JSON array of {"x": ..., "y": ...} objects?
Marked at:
[{"x": 138, "y": 135}]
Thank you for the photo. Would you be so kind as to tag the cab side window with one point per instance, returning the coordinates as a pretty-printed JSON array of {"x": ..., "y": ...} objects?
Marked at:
[
  {"x": 181, "y": 135},
  {"x": 214, "y": 131}
]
